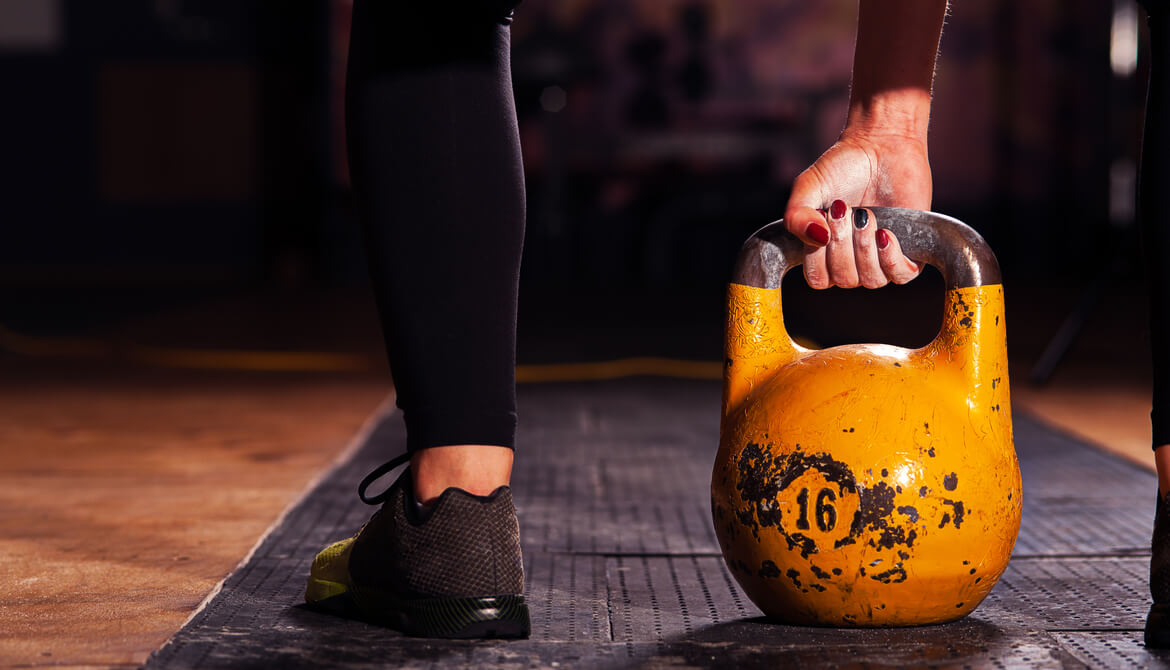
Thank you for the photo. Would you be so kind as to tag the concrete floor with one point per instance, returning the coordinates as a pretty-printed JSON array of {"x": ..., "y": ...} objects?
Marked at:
[{"x": 129, "y": 490}]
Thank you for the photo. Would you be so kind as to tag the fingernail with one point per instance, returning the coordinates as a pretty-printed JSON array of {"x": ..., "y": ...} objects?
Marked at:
[
  {"x": 817, "y": 233},
  {"x": 860, "y": 218},
  {"x": 837, "y": 209},
  {"x": 883, "y": 238}
]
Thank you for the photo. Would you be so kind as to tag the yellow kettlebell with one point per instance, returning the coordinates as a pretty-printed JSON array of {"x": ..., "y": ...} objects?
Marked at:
[{"x": 868, "y": 484}]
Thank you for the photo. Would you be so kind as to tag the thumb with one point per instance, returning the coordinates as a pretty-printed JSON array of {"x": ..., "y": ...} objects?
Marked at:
[
  {"x": 801, "y": 216},
  {"x": 808, "y": 224}
]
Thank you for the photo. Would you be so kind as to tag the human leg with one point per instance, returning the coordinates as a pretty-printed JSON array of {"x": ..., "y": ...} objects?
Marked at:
[
  {"x": 435, "y": 163},
  {"x": 1153, "y": 178}
]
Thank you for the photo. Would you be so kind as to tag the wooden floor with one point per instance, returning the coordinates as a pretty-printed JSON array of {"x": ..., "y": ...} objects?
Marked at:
[
  {"x": 127, "y": 492},
  {"x": 126, "y": 496},
  {"x": 1112, "y": 413}
]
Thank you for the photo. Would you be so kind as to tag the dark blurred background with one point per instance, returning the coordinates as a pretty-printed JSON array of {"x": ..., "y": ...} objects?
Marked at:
[{"x": 172, "y": 171}]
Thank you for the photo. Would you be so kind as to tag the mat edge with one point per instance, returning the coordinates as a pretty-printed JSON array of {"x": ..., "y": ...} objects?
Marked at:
[{"x": 383, "y": 411}]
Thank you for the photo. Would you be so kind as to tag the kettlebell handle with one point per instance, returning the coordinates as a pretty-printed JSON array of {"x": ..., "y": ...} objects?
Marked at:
[{"x": 959, "y": 253}]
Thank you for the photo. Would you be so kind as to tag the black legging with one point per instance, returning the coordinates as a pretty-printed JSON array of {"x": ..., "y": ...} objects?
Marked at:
[
  {"x": 1153, "y": 179},
  {"x": 434, "y": 157}
]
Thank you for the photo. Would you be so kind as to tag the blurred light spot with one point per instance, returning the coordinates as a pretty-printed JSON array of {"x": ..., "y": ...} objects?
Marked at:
[
  {"x": 167, "y": 9},
  {"x": 1123, "y": 38},
  {"x": 1122, "y": 191},
  {"x": 33, "y": 25},
  {"x": 553, "y": 99}
]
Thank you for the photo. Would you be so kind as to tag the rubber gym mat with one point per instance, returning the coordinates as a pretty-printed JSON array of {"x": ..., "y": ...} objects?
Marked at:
[{"x": 623, "y": 568}]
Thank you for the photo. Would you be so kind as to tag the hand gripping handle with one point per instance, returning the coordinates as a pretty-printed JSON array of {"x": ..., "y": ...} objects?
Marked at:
[{"x": 948, "y": 244}]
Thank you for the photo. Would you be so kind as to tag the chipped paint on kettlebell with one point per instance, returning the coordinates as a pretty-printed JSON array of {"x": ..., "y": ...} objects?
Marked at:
[{"x": 884, "y": 479}]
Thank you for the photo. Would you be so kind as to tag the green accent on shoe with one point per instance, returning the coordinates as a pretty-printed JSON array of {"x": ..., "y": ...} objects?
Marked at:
[
  {"x": 329, "y": 574},
  {"x": 321, "y": 589}
]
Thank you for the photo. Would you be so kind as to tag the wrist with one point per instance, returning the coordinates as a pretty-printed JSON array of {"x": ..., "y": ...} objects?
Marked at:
[{"x": 903, "y": 112}]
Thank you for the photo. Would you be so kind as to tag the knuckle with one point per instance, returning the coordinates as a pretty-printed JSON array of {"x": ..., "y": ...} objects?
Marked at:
[{"x": 815, "y": 277}]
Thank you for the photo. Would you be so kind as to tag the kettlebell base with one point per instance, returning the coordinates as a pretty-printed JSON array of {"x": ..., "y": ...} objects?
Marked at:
[
  {"x": 813, "y": 622},
  {"x": 817, "y": 624},
  {"x": 847, "y": 610}
]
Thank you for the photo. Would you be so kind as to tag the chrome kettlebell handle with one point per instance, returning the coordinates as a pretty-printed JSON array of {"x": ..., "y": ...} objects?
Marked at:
[{"x": 948, "y": 244}]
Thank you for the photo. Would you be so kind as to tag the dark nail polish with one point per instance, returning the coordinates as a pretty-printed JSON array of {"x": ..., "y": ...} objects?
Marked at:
[
  {"x": 817, "y": 233},
  {"x": 860, "y": 218},
  {"x": 837, "y": 209},
  {"x": 883, "y": 238}
]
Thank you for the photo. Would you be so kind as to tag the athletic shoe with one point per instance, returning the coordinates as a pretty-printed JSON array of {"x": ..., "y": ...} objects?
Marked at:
[
  {"x": 451, "y": 569},
  {"x": 1158, "y": 620}
]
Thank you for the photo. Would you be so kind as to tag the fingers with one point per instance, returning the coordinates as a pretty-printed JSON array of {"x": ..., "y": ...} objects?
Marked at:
[
  {"x": 865, "y": 252},
  {"x": 895, "y": 265},
  {"x": 842, "y": 267},
  {"x": 856, "y": 252},
  {"x": 816, "y": 269},
  {"x": 811, "y": 227}
]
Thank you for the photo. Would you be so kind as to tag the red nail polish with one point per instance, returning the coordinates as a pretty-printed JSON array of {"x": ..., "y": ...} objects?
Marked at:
[
  {"x": 883, "y": 238},
  {"x": 817, "y": 233},
  {"x": 837, "y": 209}
]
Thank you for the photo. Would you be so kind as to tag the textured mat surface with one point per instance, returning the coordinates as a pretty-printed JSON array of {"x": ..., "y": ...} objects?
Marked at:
[{"x": 623, "y": 567}]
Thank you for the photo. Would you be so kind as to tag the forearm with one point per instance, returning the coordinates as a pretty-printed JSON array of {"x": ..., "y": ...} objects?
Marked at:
[{"x": 893, "y": 66}]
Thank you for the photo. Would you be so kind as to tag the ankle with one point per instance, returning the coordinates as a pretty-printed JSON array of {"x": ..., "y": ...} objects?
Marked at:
[
  {"x": 1162, "y": 464},
  {"x": 478, "y": 469}
]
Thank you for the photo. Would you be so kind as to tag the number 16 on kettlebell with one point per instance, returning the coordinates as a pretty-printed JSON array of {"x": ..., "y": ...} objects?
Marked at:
[{"x": 867, "y": 484}]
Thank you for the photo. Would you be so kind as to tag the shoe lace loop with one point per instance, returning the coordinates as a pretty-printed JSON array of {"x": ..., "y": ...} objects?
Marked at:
[{"x": 376, "y": 474}]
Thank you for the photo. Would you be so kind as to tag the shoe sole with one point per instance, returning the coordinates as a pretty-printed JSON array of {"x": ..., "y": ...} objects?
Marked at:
[{"x": 450, "y": 618}]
